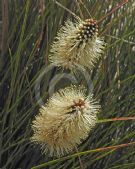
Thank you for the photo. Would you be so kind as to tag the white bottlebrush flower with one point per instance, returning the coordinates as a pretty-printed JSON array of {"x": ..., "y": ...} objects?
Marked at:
[
  {"x": 64, "y": 121},
  {"x": 77, "y": 44}
]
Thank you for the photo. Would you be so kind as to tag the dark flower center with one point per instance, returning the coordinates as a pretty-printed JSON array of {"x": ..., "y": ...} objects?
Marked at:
[{"x": 78, "y": 104}]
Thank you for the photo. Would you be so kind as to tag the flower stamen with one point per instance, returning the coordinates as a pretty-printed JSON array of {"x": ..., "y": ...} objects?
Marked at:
[{"x": 65, "y": 120}]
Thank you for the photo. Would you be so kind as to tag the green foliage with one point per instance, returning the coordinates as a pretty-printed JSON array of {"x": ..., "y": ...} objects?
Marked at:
[{"x": 28, "y": 29}]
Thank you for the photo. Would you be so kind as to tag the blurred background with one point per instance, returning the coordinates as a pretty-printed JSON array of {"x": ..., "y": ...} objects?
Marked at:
[{"x": 27, "y": 29}]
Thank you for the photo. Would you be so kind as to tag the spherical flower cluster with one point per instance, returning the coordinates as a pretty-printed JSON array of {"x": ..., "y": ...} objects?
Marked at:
[
  {"x": 77, "y": 44},
  {"x": 65, "y": 121}
]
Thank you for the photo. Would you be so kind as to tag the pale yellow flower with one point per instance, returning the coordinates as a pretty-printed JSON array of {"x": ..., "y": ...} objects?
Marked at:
[
  {"x": 65, "y": 120},
  {"x": 77, "y": 44}
]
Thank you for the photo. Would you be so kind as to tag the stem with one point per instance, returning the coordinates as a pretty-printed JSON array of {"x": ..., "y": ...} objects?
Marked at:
[
  {"x": 113, "y": 10},
  {"x": 116, "y": 119},
  {"x": 66, "y": 9}
]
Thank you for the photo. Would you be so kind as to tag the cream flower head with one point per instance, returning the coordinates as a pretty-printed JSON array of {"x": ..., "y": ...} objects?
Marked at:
[
  {"x": 77, "y": 44},
  {"x": 65, "y": 121}
]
